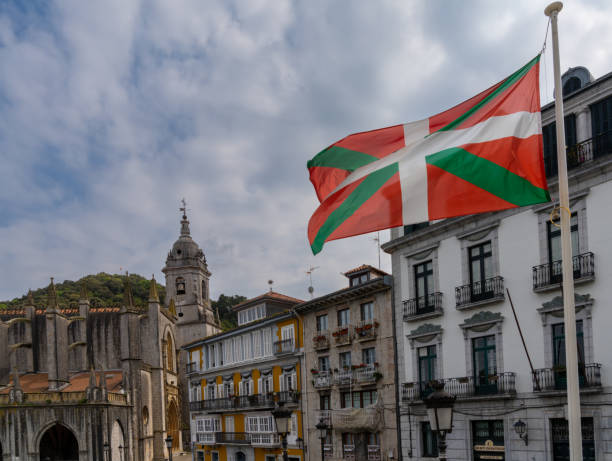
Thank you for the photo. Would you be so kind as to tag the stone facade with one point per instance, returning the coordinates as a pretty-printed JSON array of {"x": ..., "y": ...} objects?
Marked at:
[
  {"x": 77, "y": 383},
  {"x": 458, "y": 325},
  {"x": 349, "y": 376}
]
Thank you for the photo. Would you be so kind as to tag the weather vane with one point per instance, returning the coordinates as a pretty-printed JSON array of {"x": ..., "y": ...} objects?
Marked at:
[{"x": 184, "y": 207}]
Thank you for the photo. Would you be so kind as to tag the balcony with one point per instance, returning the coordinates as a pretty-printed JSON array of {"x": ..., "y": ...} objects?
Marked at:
[
  {"x": 259, "y": 439},
  {"x": 236, "y": 403},
  {"x": 321, "y": 340},
  {"x": 328, "y": 450},
  {"x": 357, "y": 419},
  {"x": 192, "y": 367},
  {"x": 555, "y": 379},
  {"x": 288, "y": 397},
  {"x": 366, "y": 330},
  {"x": 205, "y": 437},
  {"x": 480, "y": 292},
  {"x": 343, "y": 377},
  {"x": 423, "y": 307},
  {"x": 284, "y": 346},
  {"x": 367, "y": 374},
  {"x": 549, "y": 276},
  {"x": 322, "y": 379},
  {"x": 233, "y": 438},
  {"x": 343, "y": 335},
  {"x": 499, "y": 384},
  {"x": 581, "y": 153},
  {"x": 324, "y": 415},
  {"x": 374, "y": 453}
]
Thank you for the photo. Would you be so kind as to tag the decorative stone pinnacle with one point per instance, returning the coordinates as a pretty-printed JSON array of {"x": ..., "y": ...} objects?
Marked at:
[
  {"x": 128, "y": 298},
  {"x": 52, "y": 303},
  {"x": 83, "y": 294},
  {"x": 153, "y": 296},
  {"x": 30, "y": 299}
]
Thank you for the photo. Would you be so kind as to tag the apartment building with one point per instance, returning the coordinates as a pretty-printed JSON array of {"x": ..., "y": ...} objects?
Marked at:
[
  {"x": 237, "y": 377},
  {"x": 453, "y": 280},
  {"x": 349, "y": 376}
]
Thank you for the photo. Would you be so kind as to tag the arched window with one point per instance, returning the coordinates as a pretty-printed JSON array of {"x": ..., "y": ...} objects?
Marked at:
[
  {"x": 169, "y": 353},
  {"x": 180, "y": 286},
  {"x": 145, "y": 420}
]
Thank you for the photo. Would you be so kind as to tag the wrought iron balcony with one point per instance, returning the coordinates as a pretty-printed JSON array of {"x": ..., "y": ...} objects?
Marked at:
[
  {"x": 237, "y": 402},
  {"x": 328, "y": 450},
  {"x": 343, "y": 335},
  {"x": 581, "y": 153},
  {"x": 423, "y": 305},
  {"x": 366, "y": 330},
  {"x": 288, "y": 397},
  {"x": 321, "y": 340},
  {"x": 549, "y": 275},
  {"x": 502, "y": 384},
  {"x": 233, "y": 438},
  {"x": 555, "y": 379},
  {"x": 191, "y": 367},
  {"x": 324, "y": 415},
  {"x": 259, "y": 439},
  {"x": 322, "y": 379},
  {"x": 284, "y": 346},
  {"x": 374, "y": 453},
  {"x": 478, "y": 292}
]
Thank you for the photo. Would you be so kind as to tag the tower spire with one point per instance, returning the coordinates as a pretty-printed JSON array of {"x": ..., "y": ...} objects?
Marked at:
[
  {"x": 153, "y": 296},
  {"x": 184, "y": 222},
  {"x": 128, "y": 298},
  {"x": 52, "y": 304}
]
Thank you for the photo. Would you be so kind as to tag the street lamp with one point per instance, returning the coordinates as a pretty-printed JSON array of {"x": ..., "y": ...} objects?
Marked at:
[
  {"x": 520, "y": 428},
  {"x": 282, "y": 418},
  {"x": 322, "y": 430},
  {"x": 440, "y": 413},
  {"x": 106, "y": 448},
  {"x": 169, "y": 446}
]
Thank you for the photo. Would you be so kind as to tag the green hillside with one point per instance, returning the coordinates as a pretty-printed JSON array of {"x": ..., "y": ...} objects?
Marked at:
[{"x": 107, "y": 290}]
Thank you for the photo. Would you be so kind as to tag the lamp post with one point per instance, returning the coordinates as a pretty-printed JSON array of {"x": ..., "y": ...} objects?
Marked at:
[
  {"x": 106, "y": 448},
  {"x": 520, "y": 428},
  {"x": 322, "y": 430},
  {"x": 282, "y": 418},
  {"x": 169, "y": 446},
  {"x": 440, "y": 413}
]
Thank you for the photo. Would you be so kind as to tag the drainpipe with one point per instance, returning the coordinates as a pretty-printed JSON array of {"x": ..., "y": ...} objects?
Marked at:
[
  {"x": 388, "y": 280},
  {"x": 303, "y": 386}
]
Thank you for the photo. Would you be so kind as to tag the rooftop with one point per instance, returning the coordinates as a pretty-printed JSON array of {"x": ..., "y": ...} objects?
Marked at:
[{"x": 39, "y": 382}]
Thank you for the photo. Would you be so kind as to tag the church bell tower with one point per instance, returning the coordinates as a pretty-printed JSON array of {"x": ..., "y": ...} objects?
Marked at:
[{"x": 187, "y": 279}]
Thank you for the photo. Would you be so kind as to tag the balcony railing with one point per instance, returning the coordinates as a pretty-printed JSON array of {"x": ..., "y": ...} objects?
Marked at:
[
  {"x": 428, "y": 304},
  {"x": 464, "y": 387},
  {"x": 322, "y": 379},
  {"x": 321, "y": 340},
  {"x": 480, "y": 291},
  {"x": 367, "y": 374},
  {"x": 549, "y": 275},
  {"x": 367, "y": 329},
  {"x": 555, "y": 379},
  {"x": 343, "y": 377},
  {"x": 264, "y": 439},
  {"x": 191, "y": 367},
  {"x": 324, "y": 415},
  {"x": 284, "y": 346},
  {"x": 205, "y": 437},
  {"x": 581, "y": 153},
  {"x": 348, "y": 452},
  {"x": 374, "y": 453},
  {"x": 328, "y": 450},
  {"x": 236, "y": 438},
  {"x": 288, "y": 397},
  {"x": 237, "y": 402},
  {"x": 343, "y": 335}
]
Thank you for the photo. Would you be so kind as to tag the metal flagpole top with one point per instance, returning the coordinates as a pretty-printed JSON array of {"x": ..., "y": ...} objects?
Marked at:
[{"x": 554, "y": 7}]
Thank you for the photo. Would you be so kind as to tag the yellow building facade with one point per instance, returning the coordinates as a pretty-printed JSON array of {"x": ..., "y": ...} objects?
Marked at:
[{"x": 237, "y": 377}]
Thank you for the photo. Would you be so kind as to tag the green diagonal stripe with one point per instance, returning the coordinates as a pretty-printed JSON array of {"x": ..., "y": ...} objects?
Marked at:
[
  {"x": 503, "y": 87},
  {"x": 368, "y": 187},
  {"x": 342, "y": 158},
  {"x": 488, "y": 176}
]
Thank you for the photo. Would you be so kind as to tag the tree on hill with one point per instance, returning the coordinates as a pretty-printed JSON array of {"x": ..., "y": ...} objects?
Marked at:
[{"x": 224, "y": 306}]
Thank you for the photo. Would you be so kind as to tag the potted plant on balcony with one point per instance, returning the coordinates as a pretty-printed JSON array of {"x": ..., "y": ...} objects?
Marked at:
[
  {"x": 314, "y": 371},
  {"x": 377, "y": 375}
]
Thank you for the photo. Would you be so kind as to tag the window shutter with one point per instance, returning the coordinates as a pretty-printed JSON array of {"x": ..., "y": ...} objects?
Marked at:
[
  {"x": 282, "y": 383},
  {"x": 240, "y": 388},
  {"x": 259, "y": 388}
]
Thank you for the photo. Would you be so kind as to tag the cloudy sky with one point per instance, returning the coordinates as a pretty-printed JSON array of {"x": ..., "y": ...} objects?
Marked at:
[{"x": 112, "y": 111}]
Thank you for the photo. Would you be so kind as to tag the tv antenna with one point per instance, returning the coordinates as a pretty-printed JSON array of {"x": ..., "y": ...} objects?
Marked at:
[
  {"x": 310, "y": 287},
  {"x": 377, "y": 240}
]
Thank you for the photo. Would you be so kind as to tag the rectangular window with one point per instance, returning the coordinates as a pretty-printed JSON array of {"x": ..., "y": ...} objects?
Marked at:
[
  {"x": 554, "y": 244},
  {"x": 549, "y": 137},
  {"x": 481, "y": 262},
  {"x": 345, "y": 360},
  {"x": 324, "y": 363},
  {"x": 229, "y": 424},
  {"x": 213, "y": 457},
  {"x": 430, "y": 441},
  {"x": 358, "y": 399},
  {"x": 267, "y": 342},
  {"x": 322, "y": 323},
  {"x": 558, "y": 338},
  {"x": 427, "y": 364},
  {"x": 368, "y": 356},
  {"x": 344, "y": 317},
  {"x": 200, "y": 456},
  {"x": 485, "y": 364},
  {"x": 423, "y": 283},
  {"x": 324, "y": 402},
  {"x": 367, "y": 312}
]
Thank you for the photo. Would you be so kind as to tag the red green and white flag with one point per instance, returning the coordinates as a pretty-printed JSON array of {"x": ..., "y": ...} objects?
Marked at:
[{"x": 484, "y": 154}]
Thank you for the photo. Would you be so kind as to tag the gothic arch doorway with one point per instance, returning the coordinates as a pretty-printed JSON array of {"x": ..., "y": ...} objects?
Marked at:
[
  {"x": 117, "y": 442},
  {"x": 58, "y": 443},
  {"x": 172, "y": 423}
]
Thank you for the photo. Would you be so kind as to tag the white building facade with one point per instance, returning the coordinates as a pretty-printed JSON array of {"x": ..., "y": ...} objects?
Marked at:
[{"x": 455, "y": 321}]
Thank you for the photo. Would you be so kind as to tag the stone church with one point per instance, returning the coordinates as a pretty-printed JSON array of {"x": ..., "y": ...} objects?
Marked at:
[{"x": 103, "y": 383}]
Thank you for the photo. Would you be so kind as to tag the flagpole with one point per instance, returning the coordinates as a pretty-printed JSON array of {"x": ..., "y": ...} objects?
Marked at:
[{"x": 569, "y": 311}]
